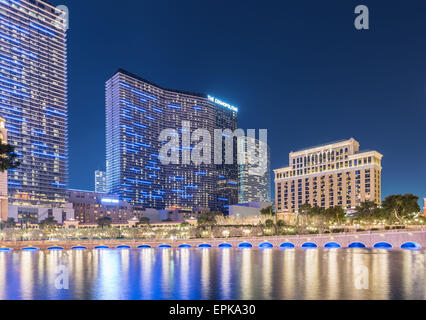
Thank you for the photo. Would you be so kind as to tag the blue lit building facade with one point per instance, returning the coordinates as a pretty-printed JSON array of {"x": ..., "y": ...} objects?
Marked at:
[
  {"x": 33, "y": 100},
  {"x": 136, "y": 113}
]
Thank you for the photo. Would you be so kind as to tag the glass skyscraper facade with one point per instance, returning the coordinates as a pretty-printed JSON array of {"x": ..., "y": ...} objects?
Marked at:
[
  {"x": 33, "y": 100},
  {"x": 136, "y": 113},
  {"x": 100, "y": 182},
  {"x": 254, "y": 186}
]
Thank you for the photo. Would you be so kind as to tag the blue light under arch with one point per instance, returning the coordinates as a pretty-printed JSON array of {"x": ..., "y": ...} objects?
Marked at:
[
  {"x": 185, "y": 246},
  {"x": 245, "y": 245},
  {"x": 123, "y": 247},
  {"x": 165, "y": 246},
  {"x": 225, "y": 245},
  {"x": 411, "y": 246},
  {"x": 55, "y": 248},
  {"x": 332, "y": 245},
  {"x": 309, "y": 245},
  {"x": 144, "y": 246},
  {"x": 204, "y": 246},
  {"x": 287, "y": 245},
  {"x": 357, "y": 245},
  {"x": 382, "y": 245},
  {"x": 6, "y": 249},
  {"x": 266, "y": 245},
  {"x": 101, "y": 247},
  {"x": 30, "y": 249},
  {"x": 79, "y": 248}
]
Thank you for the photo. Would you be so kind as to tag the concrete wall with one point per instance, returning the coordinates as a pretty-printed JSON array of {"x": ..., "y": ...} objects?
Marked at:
[
  {"x": 248, "y": 209},
  {"x": 43, "y": 213},
  {"x": 153, "y": 215},
  {"x": 396, "y": 239}
]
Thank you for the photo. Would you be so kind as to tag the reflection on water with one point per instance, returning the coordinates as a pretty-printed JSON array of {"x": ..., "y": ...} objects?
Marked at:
[
  {"x": 205, "y": 273},
  {"x": 215, "y": 274},
  {"x": 311, "y": 282},
  {"x": 225, "y": 268},
  {"x": 288, "y": 269},
  {"x": 184, "y": 273},
  {"x": 246, "y": 274},
  {"x": 333, "y": 284},
  {"x": 267, "y": 273}
]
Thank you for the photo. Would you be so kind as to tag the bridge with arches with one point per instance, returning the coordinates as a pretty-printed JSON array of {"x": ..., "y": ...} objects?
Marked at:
[{"x": 410, "y": 240}]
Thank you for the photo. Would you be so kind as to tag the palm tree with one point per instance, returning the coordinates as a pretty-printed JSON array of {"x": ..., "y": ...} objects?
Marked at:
[{"x": 10, "y": 223}]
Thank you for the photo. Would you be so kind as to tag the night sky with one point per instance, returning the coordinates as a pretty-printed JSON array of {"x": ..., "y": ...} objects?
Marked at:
[{"x": 297, "y": 68}]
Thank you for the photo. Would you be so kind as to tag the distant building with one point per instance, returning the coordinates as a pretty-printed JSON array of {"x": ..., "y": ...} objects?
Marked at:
[
  {"x": 24, "y": 215},
  {"x": 248, "y": 209},
  {"x": 227, "y": 194},
  {"x": 254, "y": 177},
  {"x": 334, "y": 174},
  {"x": 89, "y": 206},
  {"x": 3, "y": 177},
  {"x": 100, "y": 182}
]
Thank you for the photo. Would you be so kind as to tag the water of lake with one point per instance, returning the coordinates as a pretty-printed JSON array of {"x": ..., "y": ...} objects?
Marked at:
[{"x": 180, "y": 274}]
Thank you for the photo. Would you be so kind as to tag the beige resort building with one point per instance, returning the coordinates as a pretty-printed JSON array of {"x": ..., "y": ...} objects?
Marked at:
[{"x": 334, "y": 174}]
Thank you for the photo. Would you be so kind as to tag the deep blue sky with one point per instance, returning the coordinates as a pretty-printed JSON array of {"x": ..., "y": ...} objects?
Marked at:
[{"x": 297, "y": 68}]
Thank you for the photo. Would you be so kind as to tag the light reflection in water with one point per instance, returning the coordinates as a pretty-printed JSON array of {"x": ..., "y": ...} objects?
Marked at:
[
  {"x": 290, "y": 275},
  {"x": 333, "y": 274},
  {"x": 184, "y": 273},
  {"x": 41, "y": 263},
  {"x": 312, "y": 286},
  {"x": 214, "y": 273},
  {"x": 246, "y": 274},
  {"x": 166, "y": 273},
  {"x": 78, "y": 268},
  {"x": 53, "y": 261},
  {"x": 124, "y": 257},
  {"x": 359, "y": 273},
  {"x": 414, "y": 272},
  {"x": 380, "y": 274},
  {"x": 267, "y": 272},
  {"x": 205, "y": 273},
  {"x": 225, "y": 267},
  {"x": 26, "y": 273},
  {"x": 146, "y": 260},
  {"x": 108, "y": 276},
  {"x": 407, "y": 273},
  {"x": 3, "y": 275}
]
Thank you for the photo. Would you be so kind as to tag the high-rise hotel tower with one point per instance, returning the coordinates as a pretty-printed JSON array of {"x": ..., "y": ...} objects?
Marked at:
[
  {"x": 100, "y": 182},
  {"x": 136, "y": 113},
  {"x": 254, "y": 186},
  {"x": 33, "y": 100},
  {"x": 335, "y": 174}
]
